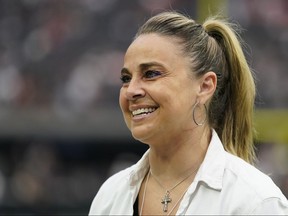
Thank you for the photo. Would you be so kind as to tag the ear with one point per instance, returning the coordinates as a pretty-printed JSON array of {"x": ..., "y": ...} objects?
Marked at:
[{"x": 208, "y": 83}]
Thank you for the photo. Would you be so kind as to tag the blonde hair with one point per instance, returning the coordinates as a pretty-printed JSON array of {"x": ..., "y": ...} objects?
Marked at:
[{"x": 215, "y": 46}]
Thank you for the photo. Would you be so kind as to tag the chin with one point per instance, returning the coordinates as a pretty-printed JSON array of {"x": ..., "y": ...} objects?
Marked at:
[
  {"x": 137, "y": 135},
  {"x": 140, "y": 135}
]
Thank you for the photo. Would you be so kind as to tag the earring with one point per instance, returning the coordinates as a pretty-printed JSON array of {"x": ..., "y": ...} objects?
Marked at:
[{"x": 193, "y": 114}]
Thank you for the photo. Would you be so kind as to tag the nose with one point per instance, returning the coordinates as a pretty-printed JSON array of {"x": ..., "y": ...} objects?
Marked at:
[{"x": 134, "y": 90}]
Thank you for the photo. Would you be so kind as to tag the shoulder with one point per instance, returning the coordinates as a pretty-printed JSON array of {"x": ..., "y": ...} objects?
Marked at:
[
  {"x": 116, "y": 181},
  {"x": 118, "y": 192},
  {"x": 249, "y": 181},
  {"x": 116, "y": 184},
  {"x": 120, "y": 177}
]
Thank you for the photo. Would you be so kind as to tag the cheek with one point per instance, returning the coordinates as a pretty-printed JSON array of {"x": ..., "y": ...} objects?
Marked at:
[
  {"x": 183, "y": 100},
  {"x": 124, "y": 107},
  {"x": 122, "y": 100}
]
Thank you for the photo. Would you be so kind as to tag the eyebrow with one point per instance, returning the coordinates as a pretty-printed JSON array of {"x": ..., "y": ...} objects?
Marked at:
[
  {"x": 143, "y": 66},
  {"x": 125, "y": 71},
  {"x": 147, "y": 65}
]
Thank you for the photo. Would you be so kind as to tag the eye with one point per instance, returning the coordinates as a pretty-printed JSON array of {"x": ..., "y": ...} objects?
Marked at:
[
  {"x": 151, "y": 74},
  {"x": 125, "y": 78}
]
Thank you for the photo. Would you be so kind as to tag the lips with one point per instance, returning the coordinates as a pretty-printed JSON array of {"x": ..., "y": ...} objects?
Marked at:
[{"x": 143, "y": 111}]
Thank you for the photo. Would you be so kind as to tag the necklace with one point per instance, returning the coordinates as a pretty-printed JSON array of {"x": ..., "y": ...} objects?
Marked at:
[
  {"x": 144, "y": 193},
  {"x": 166, "y": 199}
]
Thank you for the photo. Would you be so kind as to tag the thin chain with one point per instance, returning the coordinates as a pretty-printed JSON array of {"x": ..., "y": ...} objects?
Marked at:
[
  {"x": 172, "y": 188},
  {"x": 145, "y": 189},
  {"x": 144, "y": 194},
  {"x": 178, "y": 201}
]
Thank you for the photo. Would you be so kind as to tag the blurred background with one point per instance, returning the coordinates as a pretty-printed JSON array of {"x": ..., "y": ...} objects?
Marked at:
[{"x": 61, "y": 129}]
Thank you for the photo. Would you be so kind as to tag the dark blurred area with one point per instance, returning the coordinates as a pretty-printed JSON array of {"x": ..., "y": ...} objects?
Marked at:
[{"x": 61, "y": 129}]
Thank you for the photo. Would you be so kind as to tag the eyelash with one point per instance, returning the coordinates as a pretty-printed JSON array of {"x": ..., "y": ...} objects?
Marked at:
[
  {"x": 150, "y": 74},
  {"x": 125, "y": 78}
]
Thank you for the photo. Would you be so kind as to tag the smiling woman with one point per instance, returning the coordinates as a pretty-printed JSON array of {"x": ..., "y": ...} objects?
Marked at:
[
  {"x": 152, "y": 68},
  {"x": 188, "y": 93}
]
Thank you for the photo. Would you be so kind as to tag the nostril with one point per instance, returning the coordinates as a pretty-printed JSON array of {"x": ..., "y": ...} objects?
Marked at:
[{"x": 137, "y": 96}]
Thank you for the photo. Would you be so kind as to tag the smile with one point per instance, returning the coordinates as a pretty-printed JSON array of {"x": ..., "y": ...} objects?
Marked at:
[{"x": 143, "y": 111}]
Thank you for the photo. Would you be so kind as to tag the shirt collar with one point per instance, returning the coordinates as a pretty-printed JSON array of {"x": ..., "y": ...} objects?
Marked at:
[
  {"x": 211, "y": 170},
  {"x": 139, "y": 170}
]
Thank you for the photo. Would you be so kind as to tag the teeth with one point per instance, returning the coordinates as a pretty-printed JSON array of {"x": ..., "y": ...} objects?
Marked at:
[{"x": 143, "y": 111}]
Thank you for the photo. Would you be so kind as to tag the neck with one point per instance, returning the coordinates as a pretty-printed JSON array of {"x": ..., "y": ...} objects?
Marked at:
[{"x": 177, "y": 156}]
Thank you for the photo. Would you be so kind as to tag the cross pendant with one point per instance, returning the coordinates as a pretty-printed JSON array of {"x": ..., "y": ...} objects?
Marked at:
[{"x": 165, "y": 201}]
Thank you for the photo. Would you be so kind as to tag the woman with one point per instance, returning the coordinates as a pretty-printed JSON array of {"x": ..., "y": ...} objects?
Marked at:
[{"x": 188, "y": 93}]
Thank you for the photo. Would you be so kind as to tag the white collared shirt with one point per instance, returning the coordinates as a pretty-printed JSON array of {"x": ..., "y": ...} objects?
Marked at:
[{"x": 223, "y": 185}]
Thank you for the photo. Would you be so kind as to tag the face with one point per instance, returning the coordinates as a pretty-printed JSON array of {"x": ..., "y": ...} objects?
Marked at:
[{"x": 159, "y": 90}]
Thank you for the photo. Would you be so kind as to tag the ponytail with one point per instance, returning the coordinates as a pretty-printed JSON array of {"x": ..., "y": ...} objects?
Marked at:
[{"x": 237, "y": 93}]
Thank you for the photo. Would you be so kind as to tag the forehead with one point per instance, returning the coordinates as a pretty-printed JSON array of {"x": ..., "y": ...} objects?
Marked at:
[{"x": 154, "y": 47}]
